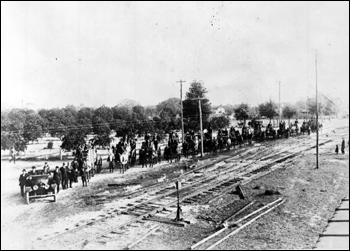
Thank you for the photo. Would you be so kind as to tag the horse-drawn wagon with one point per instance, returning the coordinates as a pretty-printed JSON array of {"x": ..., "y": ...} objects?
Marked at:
[{"x": 39, "y": 186}]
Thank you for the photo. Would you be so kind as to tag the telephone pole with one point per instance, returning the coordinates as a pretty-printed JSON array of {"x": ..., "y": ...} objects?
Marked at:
[
  {"x": 182, "y": 116},
  {"x": 316, "y": 113},
  {"x": 279, "y": 96},
  {"x": 200, "y": 121}
]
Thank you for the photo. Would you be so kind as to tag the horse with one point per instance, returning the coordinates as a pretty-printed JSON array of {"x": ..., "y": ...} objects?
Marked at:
[
  {"x": 239, "y": 138},
  {"x": 147, "y": 155},
  {"x": 232, "y": 137},
  {"x": 192, "y": 145},
  {"x": 171, "y": 152},
  {"x": 185, "y": 149},
  {"x": 294, "y": 130},
  {"x": 270, "y": 132},
  {"x": 305, "y": 128},
  {"x": 142, "y": 156},
  {"x": 220, "y": 143},
  {"x": 208, "y": 145},
  {"x": 151, "y": 156},
  {"x": 247, "y": 135}
]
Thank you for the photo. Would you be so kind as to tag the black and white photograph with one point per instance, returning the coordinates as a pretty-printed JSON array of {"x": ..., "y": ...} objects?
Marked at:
[{"x": 131, "y": 125}]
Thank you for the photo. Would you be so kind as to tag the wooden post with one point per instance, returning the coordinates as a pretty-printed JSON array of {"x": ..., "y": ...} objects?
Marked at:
[
  {"x": 178, "y": 211},
  {"x": 201, "y": 125},
  {"x": 279, "y": 96},
  {"x": 60, "y": 153},
  {"x": 200, "y": 121},
  {"x": 316, "y": 116},
  {"x": 182, "y": 115}
]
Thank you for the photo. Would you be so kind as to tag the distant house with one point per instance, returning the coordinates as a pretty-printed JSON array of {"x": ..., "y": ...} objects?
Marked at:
[{"x": 220, "y": 110}]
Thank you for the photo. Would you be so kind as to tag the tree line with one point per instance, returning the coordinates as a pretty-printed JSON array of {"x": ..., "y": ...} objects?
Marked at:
[{"x": 72, "y": 125}]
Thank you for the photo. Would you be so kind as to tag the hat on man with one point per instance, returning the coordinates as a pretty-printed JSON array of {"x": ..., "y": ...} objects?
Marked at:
[
  {"x": 24, "y": 170},
  {"x": 33, "y": 167}
]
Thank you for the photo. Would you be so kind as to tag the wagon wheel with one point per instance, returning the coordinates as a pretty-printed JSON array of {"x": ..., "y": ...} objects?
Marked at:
[{"x": 27, "y": 198}]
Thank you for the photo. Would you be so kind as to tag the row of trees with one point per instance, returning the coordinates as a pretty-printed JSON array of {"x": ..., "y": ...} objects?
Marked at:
[
  {"x": 72, "y": 125},
  {"x": 270, "y": 109}
]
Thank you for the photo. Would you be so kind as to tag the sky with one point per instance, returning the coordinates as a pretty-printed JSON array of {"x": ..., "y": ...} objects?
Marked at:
[{"x": 100, "y": 53}]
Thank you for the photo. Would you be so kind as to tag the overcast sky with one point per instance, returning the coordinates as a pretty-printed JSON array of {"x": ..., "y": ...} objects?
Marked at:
[{"x": 95, "y": 53}]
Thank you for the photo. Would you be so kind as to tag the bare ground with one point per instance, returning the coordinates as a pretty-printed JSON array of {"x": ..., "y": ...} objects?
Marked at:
[{"x": 312, "y": 195}]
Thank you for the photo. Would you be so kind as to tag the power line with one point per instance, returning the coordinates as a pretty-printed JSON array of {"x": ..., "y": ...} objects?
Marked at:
[{"x": 92, "y": 126}]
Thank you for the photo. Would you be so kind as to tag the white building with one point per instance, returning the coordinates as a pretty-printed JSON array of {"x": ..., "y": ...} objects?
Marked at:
[{"x": 220, "y": 110}]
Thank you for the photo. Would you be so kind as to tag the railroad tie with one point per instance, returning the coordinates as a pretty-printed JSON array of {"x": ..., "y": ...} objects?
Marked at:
[
  {"x": 187, "y": 202},
  {"x": 115, "y": 232}
]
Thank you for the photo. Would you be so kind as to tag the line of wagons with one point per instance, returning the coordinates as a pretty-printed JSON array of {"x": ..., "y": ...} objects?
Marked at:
[
  {"x": 261, "y": 132},
  {"x": 42, "y": 185}
]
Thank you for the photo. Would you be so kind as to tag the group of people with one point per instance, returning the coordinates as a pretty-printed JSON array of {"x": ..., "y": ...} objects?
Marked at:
[
  {"x": 342, "y": 147},
  {"x": 126, "y": 145},
  {"x": 65, "y": 176}
]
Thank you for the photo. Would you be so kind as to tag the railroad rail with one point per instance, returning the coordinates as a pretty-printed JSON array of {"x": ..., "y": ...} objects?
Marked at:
[
  {"x": 163, "y": 201},
  {"x": 228, "y": 230}
]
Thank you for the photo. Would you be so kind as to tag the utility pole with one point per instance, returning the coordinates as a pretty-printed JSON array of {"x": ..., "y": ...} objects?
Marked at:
[
  {"x": 200, "y": 121},
  {"x": 182, "y": 115},
  {"x": 201, "y": 125},
  {"x": 307, "y": 109},
  {"x": 316, "y": 114},
  {"x": 279, "y": 96}
]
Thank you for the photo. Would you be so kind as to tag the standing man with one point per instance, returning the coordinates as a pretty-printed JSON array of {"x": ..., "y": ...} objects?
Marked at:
[
  {"x": 64, "y": 176},
  {"x": 22, "y": 181},
  {"x": 45, "y": 170},
  {"x": 156, "y": 141},
  {"x": 99, "y": 165},
  {"x": 84, "y": 174},
  {"x": 147, "y": 139},
  {"x": 33, "y": 171},
  {"x": 71, "y": 175},
  {"x": 343, "y": 146},
  {"x": 57, "y": 178},
  {"x": 13, "y": 155},
  {"x": 47, "y": 167},
  {"x": 111, "y": 166}
]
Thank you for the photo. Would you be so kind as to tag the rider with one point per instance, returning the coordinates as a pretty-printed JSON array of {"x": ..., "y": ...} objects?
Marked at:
[
  {"x": 269, "y": 125},
  {"x": 133, "y": 143},
  {"x": 219, "y": 133},
  {"x": 147, "y": 139},
  {"x": 225, "y": 132},
  {"x": 156, "y": 140},
  {"x": 210, "y": 131},
  {"x": 296, "y": 124},
  {"x": 188, "y": 137},
  {"x": 281, "y": 125}
]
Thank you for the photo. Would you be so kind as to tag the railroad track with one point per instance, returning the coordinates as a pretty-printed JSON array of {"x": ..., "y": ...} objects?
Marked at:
[
  {"x": 215, "y": 239},
  {"x": 163, "y": 201}
]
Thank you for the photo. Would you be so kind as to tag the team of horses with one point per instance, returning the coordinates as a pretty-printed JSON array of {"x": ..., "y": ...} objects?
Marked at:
[{"x": 125, "y": 153}]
